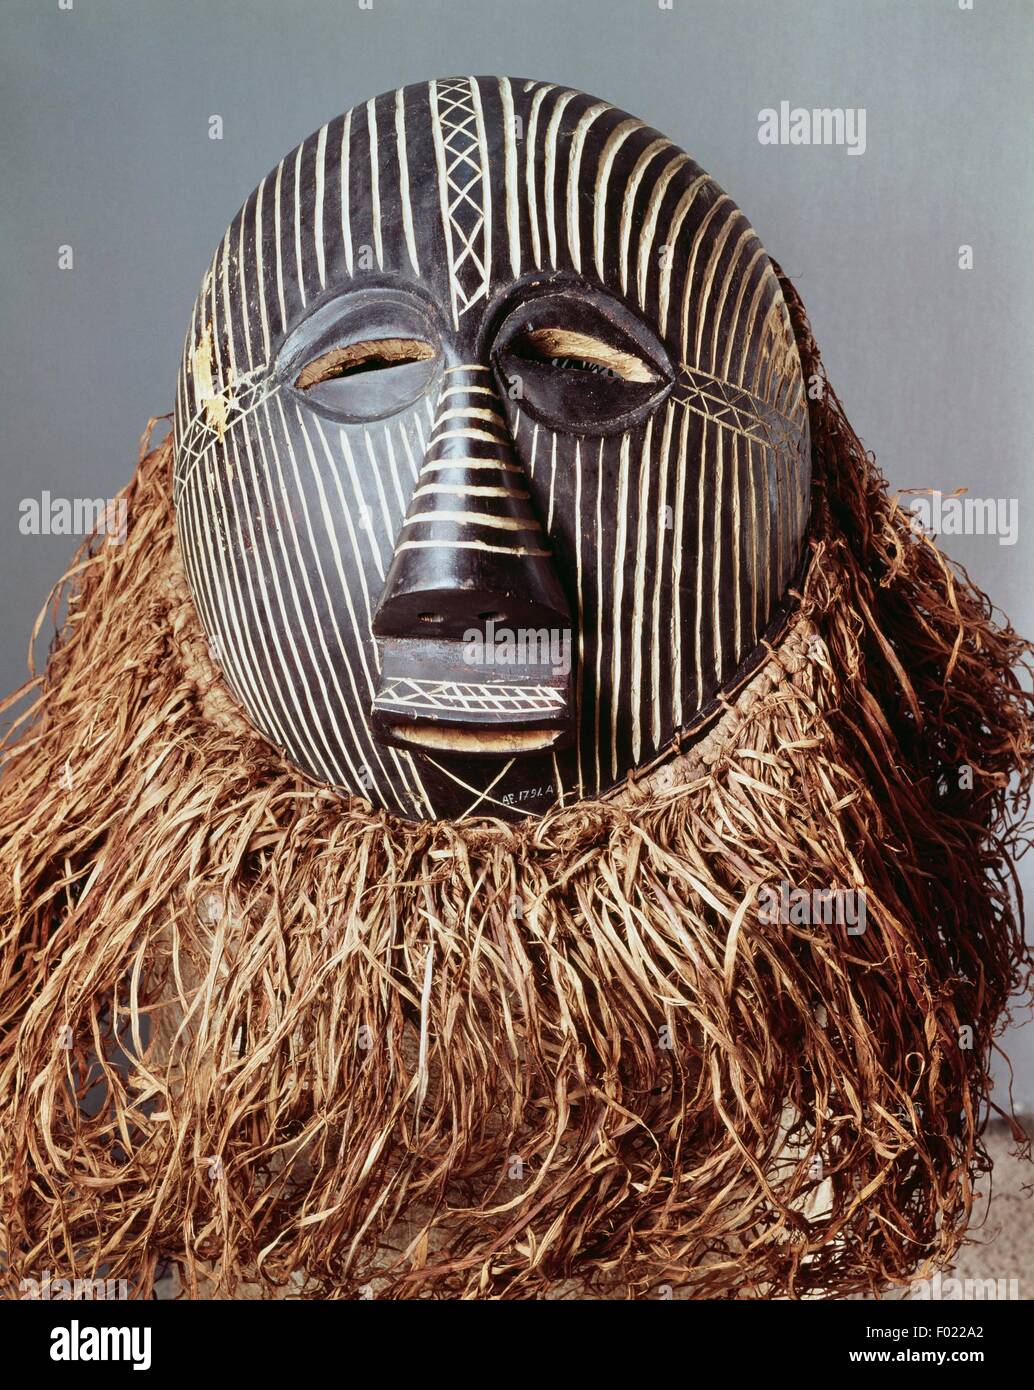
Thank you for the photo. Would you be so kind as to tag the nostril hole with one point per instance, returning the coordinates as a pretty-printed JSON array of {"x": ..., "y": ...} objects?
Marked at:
[
  {"x": 431, "y": 617},
  {"x": 491, "y": 617}
]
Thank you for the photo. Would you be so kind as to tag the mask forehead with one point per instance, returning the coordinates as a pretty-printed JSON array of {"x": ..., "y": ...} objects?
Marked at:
[
  {"x": 675, "y": 540},
  {"x": 464, "y": 185}
]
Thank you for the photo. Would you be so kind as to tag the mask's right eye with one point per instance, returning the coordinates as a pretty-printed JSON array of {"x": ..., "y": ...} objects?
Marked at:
[
  {"x": 377, "y": 355},
  {"x": 364, "y": 358}
]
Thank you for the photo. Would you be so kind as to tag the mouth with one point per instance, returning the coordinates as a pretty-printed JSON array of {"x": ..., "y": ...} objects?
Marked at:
[{"x": 429, "y": 698}]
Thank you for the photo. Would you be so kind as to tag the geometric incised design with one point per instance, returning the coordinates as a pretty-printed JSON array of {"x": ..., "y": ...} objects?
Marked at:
[
  {"x": 445, "y": 696},
  {"x": 200, "y": 433},
  {"x": 735, "y": 408},
  {"x": 464, "y": 189}
]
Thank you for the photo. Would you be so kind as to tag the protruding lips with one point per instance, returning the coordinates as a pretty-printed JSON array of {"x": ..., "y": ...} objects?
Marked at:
[{"x": 430, "y": 697}]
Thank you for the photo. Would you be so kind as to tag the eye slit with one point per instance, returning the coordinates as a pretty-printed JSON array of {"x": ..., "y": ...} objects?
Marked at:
[
  {"x": 372, "y": 356},
  {"x": 570, "y": 351}
]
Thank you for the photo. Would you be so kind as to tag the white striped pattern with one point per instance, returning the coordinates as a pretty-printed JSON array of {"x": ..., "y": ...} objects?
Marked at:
[{"x": 676, "y": 539}]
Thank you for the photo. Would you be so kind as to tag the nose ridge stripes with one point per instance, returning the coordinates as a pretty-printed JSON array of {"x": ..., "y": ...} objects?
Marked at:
[
  {"x": 471, "y": 537},
  {"x": 471, "y": 492}
]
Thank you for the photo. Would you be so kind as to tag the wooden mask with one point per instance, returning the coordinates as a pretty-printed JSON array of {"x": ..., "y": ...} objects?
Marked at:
[{"x": 492, "y": 462}]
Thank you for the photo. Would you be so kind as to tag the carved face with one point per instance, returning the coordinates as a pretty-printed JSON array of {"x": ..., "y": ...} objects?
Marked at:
[{"x": 492, "y": 457}]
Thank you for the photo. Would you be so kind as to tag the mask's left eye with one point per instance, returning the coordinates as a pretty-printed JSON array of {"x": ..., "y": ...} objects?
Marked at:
[
  {"x": 362, "y": 359},
  {"x": 580, "y": 352},
  {"x": 585, "y": 364}
]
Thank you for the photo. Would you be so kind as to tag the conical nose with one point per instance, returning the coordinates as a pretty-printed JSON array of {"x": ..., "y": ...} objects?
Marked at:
[{"x": 471, "y": 548}]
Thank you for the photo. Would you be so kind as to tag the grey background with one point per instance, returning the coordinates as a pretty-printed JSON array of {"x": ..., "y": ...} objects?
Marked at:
[{"x": 104, "y": 111}]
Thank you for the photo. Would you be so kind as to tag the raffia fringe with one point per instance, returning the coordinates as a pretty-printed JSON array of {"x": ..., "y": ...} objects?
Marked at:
[{"x": 273, "y": 1036}]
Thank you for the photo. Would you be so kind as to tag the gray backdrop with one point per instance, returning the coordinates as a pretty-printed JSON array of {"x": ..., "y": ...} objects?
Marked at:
[{"x": 105, "y": 110}]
